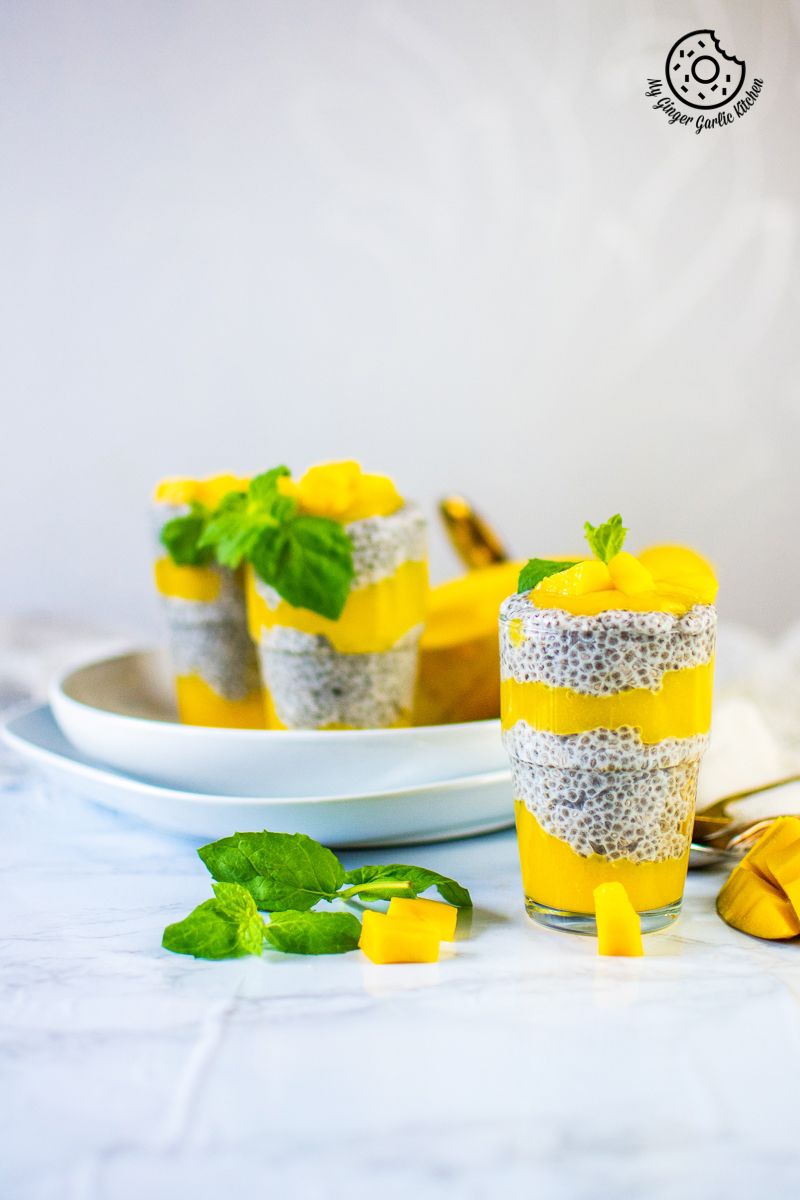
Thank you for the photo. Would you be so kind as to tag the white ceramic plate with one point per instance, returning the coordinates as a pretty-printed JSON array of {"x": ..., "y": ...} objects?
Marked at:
[
  {"x": 120, "y": 711},
  {"x": 428, "y": 813}
]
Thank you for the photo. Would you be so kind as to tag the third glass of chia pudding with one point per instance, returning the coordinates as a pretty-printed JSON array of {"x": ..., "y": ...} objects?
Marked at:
[
  {"x": 215, "y": 667},
  {"x": 607, "y": 674}
]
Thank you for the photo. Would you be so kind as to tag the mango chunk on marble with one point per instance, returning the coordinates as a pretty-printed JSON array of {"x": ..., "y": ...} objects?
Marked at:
[
  {"x": 387, "y": 939},
  {"x": 437, "y": 916},
  {"x": 619, "y": 930},
  {"x": 751, "y": 904}
]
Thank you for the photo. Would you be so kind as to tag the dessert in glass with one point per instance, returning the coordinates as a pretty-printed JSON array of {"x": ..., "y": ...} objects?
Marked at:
[
  {"x": 353, "y": 664},
  {"x": 215, "y": 666},
  {"x": 606, "y": 684}
]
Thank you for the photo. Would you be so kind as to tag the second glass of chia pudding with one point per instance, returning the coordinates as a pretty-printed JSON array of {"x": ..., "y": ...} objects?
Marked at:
[
  {"x": 359, "y": 670},
  {"x": 606, "y": 708}
]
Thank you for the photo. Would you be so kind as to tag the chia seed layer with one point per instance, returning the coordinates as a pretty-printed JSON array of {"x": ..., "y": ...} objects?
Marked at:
[
  {"x": 312, "y": 686},
  {"x": 380, "y": 546},
  {"x": 642, "y": 816},
  {"x": 601, "y": 654},
  {"x": 209, "y": 638},
  {"x": 600, "y": 749}
]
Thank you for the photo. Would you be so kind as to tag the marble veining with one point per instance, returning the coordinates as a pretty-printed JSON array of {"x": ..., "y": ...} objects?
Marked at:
[{"x": 523, "y": 1064}]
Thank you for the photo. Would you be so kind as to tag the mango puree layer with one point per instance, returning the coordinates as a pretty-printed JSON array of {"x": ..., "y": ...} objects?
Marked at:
[
  {"x": 554, "y": 875},
  {"x": 199, "y": 704},
  {"x": 373, "y": 620},
  {"x": 187, "y": 583},
  {"x": 680, "y": 708}
]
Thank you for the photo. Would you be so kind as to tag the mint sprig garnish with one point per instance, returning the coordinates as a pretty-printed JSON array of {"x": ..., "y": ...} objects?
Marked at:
[
  {"x": 604, "y": 540},
  {"x": 607, "y": 539},
  {"x": 286, "y": 875},
  {"x": 183, "y": 537},
  {"x": 537, "y": 569},
  {"x": 307, "y": 560}
]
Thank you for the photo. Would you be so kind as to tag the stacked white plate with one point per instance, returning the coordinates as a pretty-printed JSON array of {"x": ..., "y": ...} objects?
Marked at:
[{"x": 112, "y": 733}]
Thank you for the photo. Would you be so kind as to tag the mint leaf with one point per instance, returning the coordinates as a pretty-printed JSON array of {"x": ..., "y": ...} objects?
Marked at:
[
  {"x": 263, "y": 489},
  {"x": 606, "y": 540},
  {"x": 227, "y": 927},
  {"x": 281, "y": 871},
  {"x": 383, "y": 882},
  {"x": 183, "y": 538},
  {"x": 309, "y": 562},
  {"x": 537, "y": 569},
  {"x": 313, "y": 932},
  {"x": 233, "y": 530}
]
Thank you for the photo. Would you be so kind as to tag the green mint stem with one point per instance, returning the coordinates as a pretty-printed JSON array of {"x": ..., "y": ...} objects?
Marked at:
[{"x": 380, "y": 886}]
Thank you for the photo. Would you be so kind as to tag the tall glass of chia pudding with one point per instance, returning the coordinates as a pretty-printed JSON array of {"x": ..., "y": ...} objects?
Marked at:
[{"x": 606, "y": 708}]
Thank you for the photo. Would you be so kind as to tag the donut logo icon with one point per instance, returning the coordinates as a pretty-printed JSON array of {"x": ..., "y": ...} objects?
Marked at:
[{"x": 699, "y": 72}]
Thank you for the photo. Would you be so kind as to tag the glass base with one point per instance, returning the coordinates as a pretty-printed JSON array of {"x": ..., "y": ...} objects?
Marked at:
[{"x": 572, "y": 922}]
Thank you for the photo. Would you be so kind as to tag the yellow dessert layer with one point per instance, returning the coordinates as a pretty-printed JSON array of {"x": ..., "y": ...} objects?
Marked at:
[
  {"x": 680, "y": 708},
  {"x": 554, "y": 875},
  {"x": 187, "y": 583},
  {"x": 373, "y": 620},
  {"x": 203, "y": 491},
  {"x": 199, "y": 704}
]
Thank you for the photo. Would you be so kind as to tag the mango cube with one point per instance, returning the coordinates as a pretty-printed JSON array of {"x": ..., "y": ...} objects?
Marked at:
[
  {"x": 388, "y": 939},
  {"x": 751, "y": 904},
  {"x": 584, "y": 577},
  {"x": 439, "y": 917},
  {"x": 629, "y": 575},
  {"x": 619, "y": 930}
]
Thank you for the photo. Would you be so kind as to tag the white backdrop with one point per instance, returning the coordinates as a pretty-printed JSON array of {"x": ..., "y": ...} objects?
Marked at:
[{"x": 449, "y": 237}]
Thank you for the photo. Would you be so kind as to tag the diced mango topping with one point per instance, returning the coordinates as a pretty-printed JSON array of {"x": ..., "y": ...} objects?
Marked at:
[
  {"x": 580, "y": 580},
  {"x": 203, "y": 491},
  {"x": 391, "y": 939},
  {"x": 619, "y": 930},
  {"x": 762, "y": 894},
  {"x": 437, "y": 916},
  {"x": 662, "y": 579},
  {"x": 629, "y": 575},
  {"x": 343, "y": 492}
]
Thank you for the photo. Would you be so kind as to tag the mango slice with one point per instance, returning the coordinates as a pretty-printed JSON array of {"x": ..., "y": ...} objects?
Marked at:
[
  {"x": 584, "y": 577},
  {"x": 779, "y": 836},
  {"x": 678, "y": 566},
  {"x": 629, "y": 575},
  {"x": 386, "y": 939},
  {"x": 437, "y": 916},
  {"x": 619, "y": 931},
  {"x": 751, "y": 904},
  {"x": 782, "y": 868}
]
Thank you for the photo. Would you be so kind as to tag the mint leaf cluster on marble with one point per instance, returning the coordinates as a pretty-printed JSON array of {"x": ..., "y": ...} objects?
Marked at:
[
  {"x": 288, "y": 875},
  {"x": 308, "y": 560}
]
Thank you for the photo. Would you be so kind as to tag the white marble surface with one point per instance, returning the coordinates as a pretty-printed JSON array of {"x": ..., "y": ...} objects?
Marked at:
[{"x": 525, "y": 1064}]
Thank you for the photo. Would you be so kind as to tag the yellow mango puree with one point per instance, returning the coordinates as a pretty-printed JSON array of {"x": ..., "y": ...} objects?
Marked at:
[
  {"x": 199, "y": 704},
  {"x": 680, "y": 708},
  {"x": 187, "y": 583},
  {"x": 374, "y": 618},
  {"x": 554, "y": 875}
]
